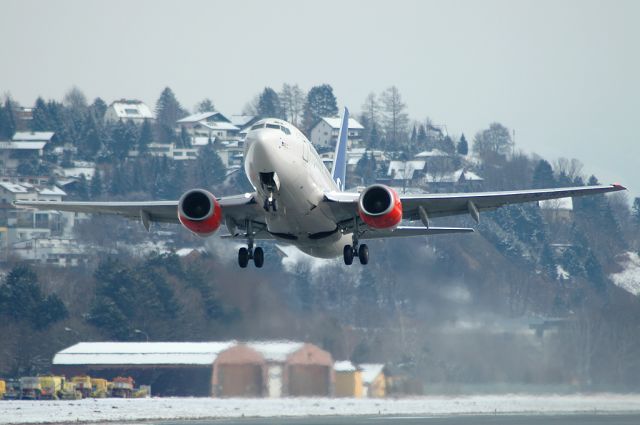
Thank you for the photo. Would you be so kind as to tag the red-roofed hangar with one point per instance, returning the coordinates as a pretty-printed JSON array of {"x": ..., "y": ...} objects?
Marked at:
[{"x": 217, "y": 369}]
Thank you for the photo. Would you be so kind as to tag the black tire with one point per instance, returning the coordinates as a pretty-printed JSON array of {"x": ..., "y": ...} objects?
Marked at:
[
  {"x": 348, "y": 255},
  {"x": 258, "y": 257},
  {"x": 363, "y": 254},
  {"x": 265, "y": 205},
  {"x": 243, "y": 257},
  {"x": 274, "y": 205}
]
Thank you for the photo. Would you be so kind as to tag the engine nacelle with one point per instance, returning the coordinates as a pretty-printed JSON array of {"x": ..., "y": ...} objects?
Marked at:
[
  {"x": 200, "y": 212},
  {"x": 379, "y": 207}
]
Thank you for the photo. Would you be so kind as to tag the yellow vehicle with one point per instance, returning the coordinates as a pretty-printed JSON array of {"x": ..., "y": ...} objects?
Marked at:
[
  {"x": 3, "y": 388},
  {"x": 51, "y": 387},
  {"x": 122, "y": 387},
  {"x": 83, "y": 384},
  {"x": 99, "y": 388},
  {"x": 69, "y": 391},
  {"x": 144, "y": 391}
]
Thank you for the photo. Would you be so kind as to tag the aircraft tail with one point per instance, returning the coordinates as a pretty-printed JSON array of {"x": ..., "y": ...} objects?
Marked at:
[{"x": 339, "y": 172}]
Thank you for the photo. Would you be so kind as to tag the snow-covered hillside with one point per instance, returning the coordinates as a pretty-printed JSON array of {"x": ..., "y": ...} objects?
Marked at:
[{"x": 629, "y": 278}]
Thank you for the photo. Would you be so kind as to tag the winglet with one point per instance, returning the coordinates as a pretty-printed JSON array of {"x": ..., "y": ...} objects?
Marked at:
[
  {"x": 339, "y": 172},
  {"x": 618, "y": 186}
]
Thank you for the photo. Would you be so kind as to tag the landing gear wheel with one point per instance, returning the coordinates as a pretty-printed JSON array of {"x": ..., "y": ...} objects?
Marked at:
[
  {"x": 243, "y": 257},
  {"x": 348, "y": 255},
  {"x": 363, "y": 254},
  {"x": 258, "y": 257},
  {"x": 274, "y": 205}
]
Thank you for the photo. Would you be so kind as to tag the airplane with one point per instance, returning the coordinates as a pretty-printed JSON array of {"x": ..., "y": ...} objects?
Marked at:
[{"x": 298, "y": 202}]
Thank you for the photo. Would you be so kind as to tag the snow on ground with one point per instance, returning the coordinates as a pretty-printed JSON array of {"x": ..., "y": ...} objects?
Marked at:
[
  {"x": 629, "y": 278},
  {"x": 104, "y": 410}
]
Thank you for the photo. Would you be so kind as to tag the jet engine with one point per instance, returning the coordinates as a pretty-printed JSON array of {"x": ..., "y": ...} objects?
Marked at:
[
  {"x": 200, "y": 212},
  {"x": 379, "y": 207}
]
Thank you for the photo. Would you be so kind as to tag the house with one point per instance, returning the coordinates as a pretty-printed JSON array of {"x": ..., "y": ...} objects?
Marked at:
[
  {"x": 325, "y": 133},
  {"x": 348, "y": 380},
  {"x": 557, "y": 209},
  {"x": 13, "y": 153},
  {"x": 406, "y": 173},
  {"x": 128, "y": 109},
  {"x": 209, "y": 125},
  {"x": 449, "y": 181}
]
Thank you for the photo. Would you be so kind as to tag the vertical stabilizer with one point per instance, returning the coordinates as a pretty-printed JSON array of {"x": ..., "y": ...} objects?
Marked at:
[{"x": 339, "y": 173}]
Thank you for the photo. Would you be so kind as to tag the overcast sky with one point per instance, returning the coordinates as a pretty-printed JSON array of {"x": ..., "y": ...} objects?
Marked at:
[{"x": 564, "y": 74}]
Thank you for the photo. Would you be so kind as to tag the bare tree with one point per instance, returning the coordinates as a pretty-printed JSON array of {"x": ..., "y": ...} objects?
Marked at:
[
  {"x": 395, "y": 118},
  {"x": 292, "y": 99},
  {"x": 371, "y": 108},
  {"x": 572, "y": 168}
]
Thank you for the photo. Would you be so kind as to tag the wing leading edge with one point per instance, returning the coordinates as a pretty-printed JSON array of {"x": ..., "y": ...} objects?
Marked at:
[{"x": 345, "y": 204}]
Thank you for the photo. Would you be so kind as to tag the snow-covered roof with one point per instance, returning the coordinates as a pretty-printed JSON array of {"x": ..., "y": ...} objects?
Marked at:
[
  {"x": 370, "y": 371},
  {"x": 141, "y": 353},
  {"x": 200, "y": 116},
  {"x": 218, "y": 125},
  {"x": 404, "y": 170},
  {"x": 21, "y": 145},
  {"x": 76, "y": 172},
  {"x": 344, "y": 366},
  {"x": 557, "y": 204},
  {"x": 242, "y": 120},
  {"x": 335, "y": 123},
  {"x": 629, "y": 278},
  {"x": 129, "y": 109},
  {"x": 14, "y": 187},
  {"x": 431, "y": 153},
  {"x": 54, "y": 190},
  {"x": 33, "y": 136},
  {"x": 275, "y": 351},
  {"x": 454, "y": 177}
]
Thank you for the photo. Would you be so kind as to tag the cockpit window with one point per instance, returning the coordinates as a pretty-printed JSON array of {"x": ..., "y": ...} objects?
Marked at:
[
  {"x": 286, "y": 130},
  {"x": 257, "y": 126},
  {"x": 276, "y": 126}
]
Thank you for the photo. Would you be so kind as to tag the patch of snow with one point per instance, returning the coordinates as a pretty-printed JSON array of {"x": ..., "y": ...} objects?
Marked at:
[
  {"x": 562, "y": 273},
  {"x": 344, "y": 366},
  {"x": 629, "y": 278},
  {"x": 116, "y": 410},
  {"x": 370, "y": 372}
]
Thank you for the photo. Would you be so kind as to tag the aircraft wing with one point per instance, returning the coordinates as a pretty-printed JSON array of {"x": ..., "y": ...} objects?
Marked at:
[
  {"x": 345, "y": 204},
  {"x": 408, "y": 231},
  {"x": 237, "y": 210}
]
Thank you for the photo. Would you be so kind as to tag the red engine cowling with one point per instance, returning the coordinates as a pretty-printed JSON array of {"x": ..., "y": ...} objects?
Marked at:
[
  {"x": 379, "y": 207},
  {"x": 199, "y": 211}
]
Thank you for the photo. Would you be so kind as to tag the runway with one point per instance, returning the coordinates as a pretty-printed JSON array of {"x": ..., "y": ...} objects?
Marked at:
[{"x": 592, "y": 419}]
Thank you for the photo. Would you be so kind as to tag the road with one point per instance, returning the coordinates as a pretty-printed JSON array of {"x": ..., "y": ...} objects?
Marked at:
[{"x": 428, "y": 420}]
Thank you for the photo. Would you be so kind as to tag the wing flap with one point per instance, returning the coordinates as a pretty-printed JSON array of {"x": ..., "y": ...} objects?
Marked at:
[{"x": 409, "y": 231}]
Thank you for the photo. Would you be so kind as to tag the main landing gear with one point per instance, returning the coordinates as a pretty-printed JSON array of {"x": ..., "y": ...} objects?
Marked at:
[
  {"x": 245, "y": 254},
  {"x": 250, "y": 253},
  {"x": 356, "y": 250}
]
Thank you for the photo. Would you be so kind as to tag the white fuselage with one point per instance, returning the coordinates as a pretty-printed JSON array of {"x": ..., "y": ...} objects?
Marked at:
[{"x": 298, "y": 184}]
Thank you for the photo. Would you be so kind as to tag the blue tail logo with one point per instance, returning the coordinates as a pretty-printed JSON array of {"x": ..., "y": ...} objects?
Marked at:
[{"x": 339, "y": 173}]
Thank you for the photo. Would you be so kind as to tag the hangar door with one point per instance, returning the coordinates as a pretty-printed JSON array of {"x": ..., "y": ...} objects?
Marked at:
[
  {"x": 240, "y": 380},
  {"x": 308, "y": 380}
]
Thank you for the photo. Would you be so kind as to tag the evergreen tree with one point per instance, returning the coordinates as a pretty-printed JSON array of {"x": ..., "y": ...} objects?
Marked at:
[
  {"x": 422, "y": 137},
  {"x": 447, "y": 145},
  {"x": 321, "y": 102},
  {"x": 41, "y": 120},
  {"x": 374, "y": 137},
  {"x": 543, "y": 175},
  {"x": 95, "y": 190},
  {"x": 463, "y": 146},
  {"x": 547, "y": 262},
  {"x": 168, "y": 111},
  {"x": 209, "y": 171},
  {"x": 185, "y": 139},
  {"x": 83, "y": 188},
  {"x": 7, "y": 119},
  {"x": 366, "y": 168},
  {"x": 146, "y": 137},
  {"x": 98, "y": 108},
  {"x": 205, "y": 105},
  {"x": 269, "y": 104},
  {"x": 635, "y": 211}
]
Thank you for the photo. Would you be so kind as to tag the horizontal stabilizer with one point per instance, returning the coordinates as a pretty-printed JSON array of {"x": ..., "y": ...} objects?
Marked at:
[{"x": 408, "y": 231}]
